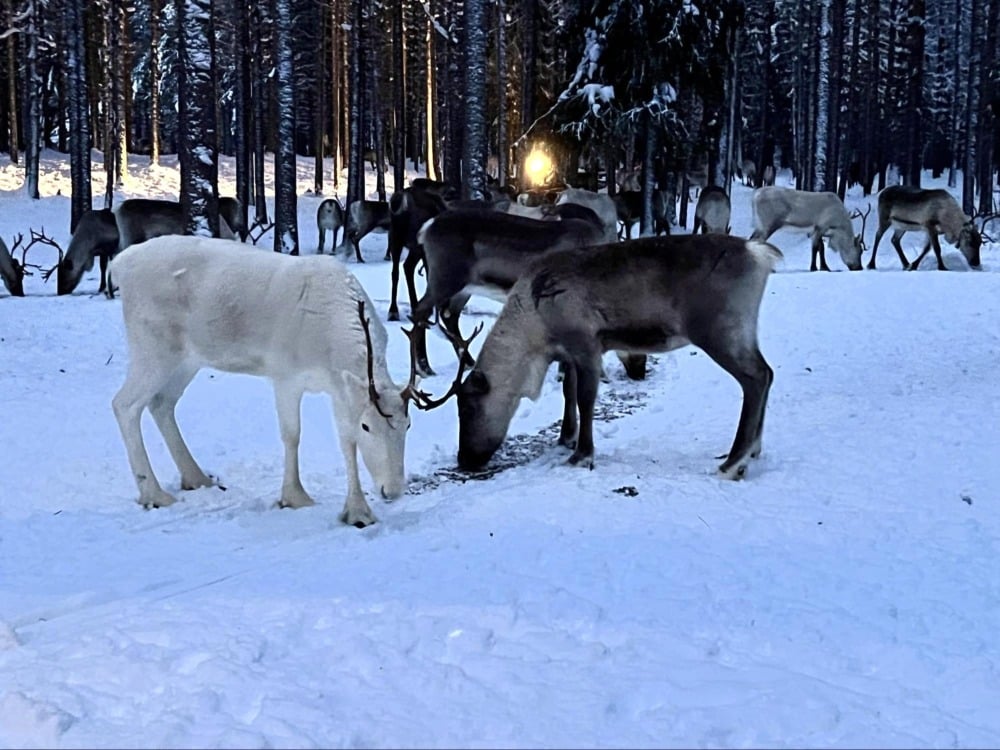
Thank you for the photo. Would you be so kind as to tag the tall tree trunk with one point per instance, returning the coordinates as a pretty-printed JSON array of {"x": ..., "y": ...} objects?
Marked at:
[
  {"x": 81, "y": 199},
  {"x": 242, "y": 105},
  {"x": 972, "y": 106},
  {"x": 837, "y": 21},
  {"x": 914, "y": 161},
  {"x": 197, "y": 149},
  {"x": 398, "y": 99},
  {"x": 822, "y": 122},
  {"x": 258, "y": 95},
  {"x": 286, "y": 232},
  {"x": 321, "y": 95},
  {"x": 337, "y": 91},
  {"x": 356, "y": 164},
  {"x": 987, "y": 112},
  {"x": 154, "y": 81},
  {"x": 474, "y": 138},
  {"x": 12, "y": 78},
  {"x": 430, "y": 109},
  {"x": 502, "y": 139},
  {"x": 956, "y": 119},
  {"x": 33, "y": 147}
]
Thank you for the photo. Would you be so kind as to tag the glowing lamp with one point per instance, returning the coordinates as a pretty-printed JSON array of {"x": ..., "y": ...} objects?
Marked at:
[{"x": 538, "y": 167}]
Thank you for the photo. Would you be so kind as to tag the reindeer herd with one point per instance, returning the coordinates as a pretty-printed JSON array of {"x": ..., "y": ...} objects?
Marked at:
[{"x": 571, "y": 292}]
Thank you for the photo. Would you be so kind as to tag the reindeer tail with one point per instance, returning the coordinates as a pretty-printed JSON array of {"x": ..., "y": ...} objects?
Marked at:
[{"x": 766, "y": 254}]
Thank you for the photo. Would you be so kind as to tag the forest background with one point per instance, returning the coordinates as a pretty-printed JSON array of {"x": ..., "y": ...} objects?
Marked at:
[{"x": 644, "y": 94}]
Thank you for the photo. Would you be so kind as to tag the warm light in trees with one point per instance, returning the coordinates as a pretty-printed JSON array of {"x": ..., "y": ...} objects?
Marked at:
[{"x": 538, "y": 167}]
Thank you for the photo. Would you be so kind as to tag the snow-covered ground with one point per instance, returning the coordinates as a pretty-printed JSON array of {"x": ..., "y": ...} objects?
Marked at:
[{"x": 846, "y": 594}]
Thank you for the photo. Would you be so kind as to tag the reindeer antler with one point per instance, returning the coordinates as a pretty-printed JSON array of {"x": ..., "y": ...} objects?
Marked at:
[
  {"x": 864, "y": 220},
  {"x": 43, "y": 239},
  {"x": 372, "y": 392},
  {"x": 984, "y": 220},
  {"x": 421, "y": 399},
  {"x": 263, "y": 229}
]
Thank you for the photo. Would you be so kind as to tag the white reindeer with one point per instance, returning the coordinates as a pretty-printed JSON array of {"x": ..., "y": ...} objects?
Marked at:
[
  {"x": 303, "y": 323},
  {"x": 822, "y": 214}
]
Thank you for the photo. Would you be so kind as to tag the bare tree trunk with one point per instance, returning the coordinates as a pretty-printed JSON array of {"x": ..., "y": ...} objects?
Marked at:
[
  {"x": 81, "y": 199},
  {"x": 33, "y": 150},
  {"x": 914, "y": 162},
  {"x": 502, "y": 140},
  {"x": 258, "y": 95},
  {"x": 972, "y": 107},
  {"x": 956, "y": 68},
  {"x": 197, "y": 150},
  {"x": 431, "y": 108},
  {"x": 12, "y": 112},
  {"x": 286, "y": 231},
  {"x": 337, "y": 92},
  {"x": 242, "y": 106},
  {"x": 398, "y": 99},
  {"x": 321, "y": 94},
  {"x": 474, "y": 139},
  {"x": 987, "y": 114},
  {"x": 154, "y": 81}
]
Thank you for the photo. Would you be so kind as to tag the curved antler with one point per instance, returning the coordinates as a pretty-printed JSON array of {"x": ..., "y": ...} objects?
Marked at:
[
  {"x": 421, "y": 399},
  {"x": 372, "y": 392}
]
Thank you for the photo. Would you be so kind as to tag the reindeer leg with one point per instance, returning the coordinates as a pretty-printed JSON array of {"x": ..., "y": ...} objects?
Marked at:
[
  {"x": 741, "y": 358},
  {"x": 288, "y": 400},
  {"x": 567, "y": 433},
  {"x": 937, "y": 250},
  {"x": 356, "y": 511},
  {"x": 586, "y": 395},
  {"x": 322, "y": 240},
  {"x": 410, "y": 269},
  {"x": 356, "y": 241},
  {"x": 144, "y": 379},
  {"x": 162, "y": 408},
  {"x": 103, "y": 261},
  {"x": 916, "y": 263},
  {"x": 878, "y": 238},
  {"x": 393, "y": 308},
  {"x": 896, "y": 236}
]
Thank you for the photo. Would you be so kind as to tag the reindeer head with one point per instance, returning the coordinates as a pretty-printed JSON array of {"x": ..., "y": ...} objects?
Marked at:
[
  {"x": 969, "y": 242},
  {"x": 383, "y": 423}
]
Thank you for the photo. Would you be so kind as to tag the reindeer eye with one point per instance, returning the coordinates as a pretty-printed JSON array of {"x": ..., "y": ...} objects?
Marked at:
[{"x": 365, "y": 427}]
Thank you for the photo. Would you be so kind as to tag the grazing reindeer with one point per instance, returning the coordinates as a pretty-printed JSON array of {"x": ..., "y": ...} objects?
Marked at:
[
  {"x": 303, "y": 323},
  {"x": 823, "y": 214},
  {"x": 936, "y": 212},
  {"x": 329, "y": 216},
  {"x": 748, "y": 172},
  {"x": 11, "y": 272},
  {"x": 103, "y": 234},
  {"x": 768, "y": 175},
  {"x": 572, "y": 306},
  {"x": 363, "y": 217},
  {"x": 487, "y": 249},
  {"x": 713, "y": 211},
  {"x": 628, "y": 204}
]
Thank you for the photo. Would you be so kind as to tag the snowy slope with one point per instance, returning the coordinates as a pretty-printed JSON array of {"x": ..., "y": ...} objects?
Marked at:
[{"x": 845, "y": 594}]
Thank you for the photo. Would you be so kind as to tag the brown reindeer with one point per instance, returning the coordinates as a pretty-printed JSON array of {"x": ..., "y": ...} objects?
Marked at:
[{"x": 936, "y": 212}]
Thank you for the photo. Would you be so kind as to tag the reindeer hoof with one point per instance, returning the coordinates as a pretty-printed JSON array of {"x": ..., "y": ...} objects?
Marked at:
[
  {"x": 194, "y": 483},
  {"x": 735, "y": 472},
  {"x": 160, "y": 500},
  {"x": 579, "y": 458},
  {"x": 358, "y": 519},
  {"x": 394, "y": 315}
]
